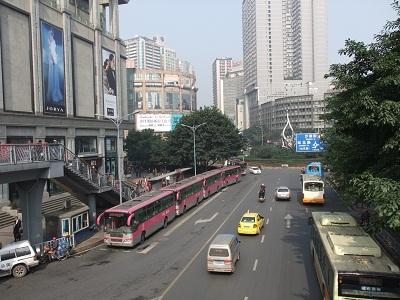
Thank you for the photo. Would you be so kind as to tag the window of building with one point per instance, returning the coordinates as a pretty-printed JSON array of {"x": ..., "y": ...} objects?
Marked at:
[
  {"x": 85, "y": 144},
  {"x": 153, "y": 100},
  {"x": 81, "y": 4},
  {"x": 138, "y": 100}
]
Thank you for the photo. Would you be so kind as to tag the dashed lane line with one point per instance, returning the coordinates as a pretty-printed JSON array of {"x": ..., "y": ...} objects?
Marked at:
[
  {"x": 262, "y": 238},
  {"x": 255, "y": 265},
  {"x": 205, "y": 244},
  {"x": 267, "y": 221},
  {"x": 169, "y": 232}
]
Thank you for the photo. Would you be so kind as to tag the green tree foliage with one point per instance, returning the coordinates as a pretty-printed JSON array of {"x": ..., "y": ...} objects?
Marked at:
[
  {"x": 364, "y": 144},
  {"x": 217, "y": 140},
  {"x": 146, "y": 149}
]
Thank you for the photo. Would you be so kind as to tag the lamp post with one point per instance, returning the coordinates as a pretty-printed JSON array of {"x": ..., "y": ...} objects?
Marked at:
[
  {"x": 194, "y": 128},
  {"x": 117, "y": 122}
]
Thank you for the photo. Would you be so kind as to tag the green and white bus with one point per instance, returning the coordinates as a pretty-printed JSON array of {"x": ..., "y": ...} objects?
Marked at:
[{"x": 348, "y": 262}]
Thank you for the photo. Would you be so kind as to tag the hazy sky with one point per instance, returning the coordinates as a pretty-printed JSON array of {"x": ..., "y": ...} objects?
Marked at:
[{"x": 202, "y": 30}]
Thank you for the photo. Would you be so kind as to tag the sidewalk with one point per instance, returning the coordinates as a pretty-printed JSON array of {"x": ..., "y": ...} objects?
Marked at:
[{"x": 86, "y": 245}]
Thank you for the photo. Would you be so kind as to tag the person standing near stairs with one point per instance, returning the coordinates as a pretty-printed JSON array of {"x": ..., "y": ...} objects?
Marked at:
[{"x": 17, "y": 230}]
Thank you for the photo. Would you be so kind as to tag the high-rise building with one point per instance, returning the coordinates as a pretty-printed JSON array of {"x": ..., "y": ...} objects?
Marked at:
[
  {"x": 220, "y": 67},
  {"x": 145, "y": 52},
  {"x": 285, "y": 47},
  {"x": 232, "y": 90}
]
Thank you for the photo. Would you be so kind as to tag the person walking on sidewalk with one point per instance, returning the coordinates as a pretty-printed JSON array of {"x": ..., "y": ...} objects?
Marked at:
[{"x": 17, "y": 230}]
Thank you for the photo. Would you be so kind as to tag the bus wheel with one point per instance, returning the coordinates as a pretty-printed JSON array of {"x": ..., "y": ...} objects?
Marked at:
[
  {"x": 165, "y": 223},
  {"x": 142, "y": 237}
]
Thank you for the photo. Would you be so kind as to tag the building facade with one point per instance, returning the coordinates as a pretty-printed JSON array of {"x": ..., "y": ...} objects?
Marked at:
[
  {"x": 220, "y": 67},
  {"x": 285, "y": 48},
  {"x": 232, "y": 87},
  {"x": 161, "y": 95},
  {"x": 62, "y": 73}
]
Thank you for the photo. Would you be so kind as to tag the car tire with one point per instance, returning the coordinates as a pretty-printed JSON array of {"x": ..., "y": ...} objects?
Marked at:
[{"x": 19, "y": 271}]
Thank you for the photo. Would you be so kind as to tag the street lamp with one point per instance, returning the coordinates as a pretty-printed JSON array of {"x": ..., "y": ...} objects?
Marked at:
[
  {"x": 193, "y": 128},
  {"x": 117, "y": 122}
]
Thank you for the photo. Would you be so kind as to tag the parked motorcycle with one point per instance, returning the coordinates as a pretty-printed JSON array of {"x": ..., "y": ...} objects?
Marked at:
[{"x": 54, "y": 252}]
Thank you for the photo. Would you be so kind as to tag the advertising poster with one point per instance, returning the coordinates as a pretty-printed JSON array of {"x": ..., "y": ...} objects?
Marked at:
[
  {"x": 53, "y": 69},
  {"x": 109, "y": 84},
  {"x": 157, "y": 122}
]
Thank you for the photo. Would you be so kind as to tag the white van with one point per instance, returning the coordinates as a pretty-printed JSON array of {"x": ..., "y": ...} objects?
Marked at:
[
  {"x": 223, "y": 253},
  {"x": 17, "y": 258}
]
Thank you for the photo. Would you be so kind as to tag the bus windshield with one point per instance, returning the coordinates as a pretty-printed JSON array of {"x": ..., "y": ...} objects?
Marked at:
[
  {"x": 116, "y": 222},
  {"x": 313, "y": 186},
  {"x": 371, "y": 286}
]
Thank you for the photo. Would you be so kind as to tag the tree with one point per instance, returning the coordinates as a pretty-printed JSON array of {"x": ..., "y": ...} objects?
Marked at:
[
  {"x": 364, "y": 143},
  {"x": 146, "y": 149},
  {"x": 216, "y": 141}
]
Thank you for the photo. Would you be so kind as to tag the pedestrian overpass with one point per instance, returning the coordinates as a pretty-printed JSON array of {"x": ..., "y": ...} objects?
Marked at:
[{"x": 30, "y": 165}]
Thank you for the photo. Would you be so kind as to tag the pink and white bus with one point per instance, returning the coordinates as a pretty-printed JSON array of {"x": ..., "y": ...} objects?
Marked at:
[
  {"x": 188, "y": 193},
  {"x": 212, "y": 181},
  {"x": 231, "y": 174},
  {"x": 129, "y": 223}
]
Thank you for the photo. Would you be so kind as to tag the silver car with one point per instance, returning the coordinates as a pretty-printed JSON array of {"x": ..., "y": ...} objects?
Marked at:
[
  {"x": 17, "y": 258},
  {"x": 282, "y": 193}
]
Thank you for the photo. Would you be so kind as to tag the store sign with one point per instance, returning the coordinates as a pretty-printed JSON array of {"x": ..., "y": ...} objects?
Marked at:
[{"x": 157, "y": 122}]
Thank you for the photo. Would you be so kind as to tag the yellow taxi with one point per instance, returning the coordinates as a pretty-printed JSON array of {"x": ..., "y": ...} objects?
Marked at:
[{"x": 251, "y": 223}]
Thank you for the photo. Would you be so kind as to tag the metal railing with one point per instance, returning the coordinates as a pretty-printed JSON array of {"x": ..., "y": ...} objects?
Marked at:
[
  {"x": 30, "y": 153},
  {"x": 39, "y": 248},
  {"x": 40, "y": 152},
  {"x": 77, "y": 165}
]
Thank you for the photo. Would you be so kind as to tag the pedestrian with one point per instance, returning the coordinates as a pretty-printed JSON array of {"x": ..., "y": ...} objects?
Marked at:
[{"x": 17, "y": 230}]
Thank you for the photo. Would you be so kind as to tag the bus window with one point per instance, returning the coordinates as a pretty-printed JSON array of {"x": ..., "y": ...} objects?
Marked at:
[{"x": 313, "y": 186}]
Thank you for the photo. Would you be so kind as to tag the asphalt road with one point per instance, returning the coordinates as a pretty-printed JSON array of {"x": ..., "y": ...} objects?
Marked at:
[{"x": 172, "y": 263}]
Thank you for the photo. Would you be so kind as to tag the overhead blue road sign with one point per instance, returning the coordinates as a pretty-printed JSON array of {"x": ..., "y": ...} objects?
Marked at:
[{"x": 309, "y": 142}]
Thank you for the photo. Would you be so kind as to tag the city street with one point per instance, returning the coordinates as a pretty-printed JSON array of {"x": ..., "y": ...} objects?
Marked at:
[{"x": 172, "y": 263}]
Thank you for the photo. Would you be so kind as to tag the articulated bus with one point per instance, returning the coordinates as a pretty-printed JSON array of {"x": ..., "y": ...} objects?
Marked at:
[
  {"x": 313, "y": 190},
  {"x": 131, "y": 222},
  {"x": 348, "y": 262},
  {"x": 231, "y": 175},
  {"x": 188, "y": 193}
]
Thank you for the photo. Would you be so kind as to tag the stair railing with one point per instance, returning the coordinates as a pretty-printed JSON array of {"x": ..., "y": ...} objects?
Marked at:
[{"x": 97, "y": 178}]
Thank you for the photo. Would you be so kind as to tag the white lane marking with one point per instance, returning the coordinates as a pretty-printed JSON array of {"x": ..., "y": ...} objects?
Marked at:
[
  {"x": 267, "y": 221},
  {"x": 255, "y": 264},
  {"x": 206, "y": 220},
  {"x": 103, "y": 249},
  {"x": 306, "y": 209},
  {"x": 262, "y": 238},
  {"x": 147, "y": 249},
  {"x": 127, "y": 251},
  {"x": 246, "y": 298},
  {"x": 270, "y": 209},
  {"x": 205, "y": 244},
  {"x": 168, "y": 233}
]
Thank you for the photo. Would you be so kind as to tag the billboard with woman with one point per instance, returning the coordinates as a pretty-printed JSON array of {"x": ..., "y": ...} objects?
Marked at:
[
  {"x": 109, "y": 84},
  {"x": 53, "y": 69}
]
